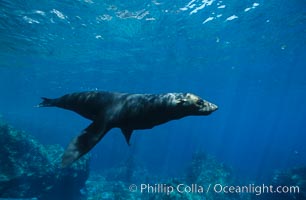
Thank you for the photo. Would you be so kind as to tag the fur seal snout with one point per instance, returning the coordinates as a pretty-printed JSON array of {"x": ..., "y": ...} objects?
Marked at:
[{"x": 128, "y": 112}]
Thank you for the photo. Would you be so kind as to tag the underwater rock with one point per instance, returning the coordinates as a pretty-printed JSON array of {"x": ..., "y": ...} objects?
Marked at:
[
  {"x": 126, "y": 180},
  {"x": 206, "y": 170},
  {"x": 295, "y": 177},
  {"x": 31, "y": 170},
  {"x": 113, "y": 183},
  {"x": 129, "y": 171},
  {"x": 287, "y": 184},
  {"x": 98, "y": 188}
]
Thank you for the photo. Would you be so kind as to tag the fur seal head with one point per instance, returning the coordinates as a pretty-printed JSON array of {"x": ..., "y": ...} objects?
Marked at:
[{"x": 194, "y": 105}]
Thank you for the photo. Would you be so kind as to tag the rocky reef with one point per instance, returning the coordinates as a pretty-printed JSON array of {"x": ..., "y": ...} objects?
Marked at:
[
  {"x": 292, "y": 183},
  {"x": 126, "y": 181},
  {"x": 29, "y": 169},
  {"x": 293, "y": 177},
  {"x": 207, "y": 170}
]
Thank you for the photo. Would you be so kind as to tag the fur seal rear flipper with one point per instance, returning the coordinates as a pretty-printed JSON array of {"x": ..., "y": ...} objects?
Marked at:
[
  {"x": 128, "y": 112},
  {"x": 81, "y": 144}
]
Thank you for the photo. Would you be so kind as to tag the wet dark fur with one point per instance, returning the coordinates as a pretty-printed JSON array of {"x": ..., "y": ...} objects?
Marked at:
[{"x": 128, "y": 112}]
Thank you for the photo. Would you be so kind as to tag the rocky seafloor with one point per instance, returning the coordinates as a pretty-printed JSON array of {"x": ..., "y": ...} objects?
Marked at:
[
  {"x": 30, "y": 170},
  {"x": 116, "y": 184},
  {"x": 123, "y": 183}
]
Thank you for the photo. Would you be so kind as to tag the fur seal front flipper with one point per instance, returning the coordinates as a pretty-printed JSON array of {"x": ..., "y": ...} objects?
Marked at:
[
  {"x": 127, "y": 134},
  {"x": 128, "y": 112},
  {"x": 83, "y": 143}
]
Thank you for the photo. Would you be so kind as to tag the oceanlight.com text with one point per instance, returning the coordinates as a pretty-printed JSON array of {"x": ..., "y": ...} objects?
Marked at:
[{"x": 168, "y": 189}]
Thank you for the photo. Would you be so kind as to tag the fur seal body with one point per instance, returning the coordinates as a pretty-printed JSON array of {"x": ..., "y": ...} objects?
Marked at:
[{"x": 128, "y": 112}]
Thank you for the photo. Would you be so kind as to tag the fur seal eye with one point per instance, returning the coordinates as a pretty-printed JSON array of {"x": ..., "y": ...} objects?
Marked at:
[{"x": 200, "y": 102}]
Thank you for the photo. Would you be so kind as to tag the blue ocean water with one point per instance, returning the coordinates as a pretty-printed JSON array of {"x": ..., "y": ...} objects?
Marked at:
[{"x": 248, "y": 57}]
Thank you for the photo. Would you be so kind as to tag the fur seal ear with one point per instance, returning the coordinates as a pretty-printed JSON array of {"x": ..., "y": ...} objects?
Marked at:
[{"x": 83, "y": 143}]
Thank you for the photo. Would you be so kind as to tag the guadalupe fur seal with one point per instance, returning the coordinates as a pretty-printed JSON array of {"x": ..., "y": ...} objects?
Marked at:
[{"x": 128, "y": 112}]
